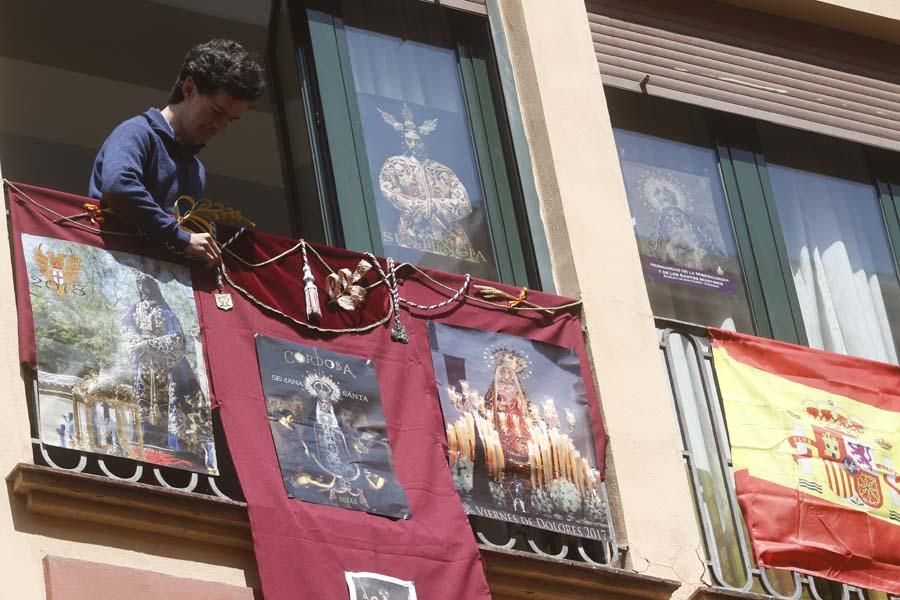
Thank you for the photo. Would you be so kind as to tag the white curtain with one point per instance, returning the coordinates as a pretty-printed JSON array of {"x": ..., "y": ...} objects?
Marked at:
[
  {"x": 410, "y": 71},
  {"x": 840, "y": 261}
]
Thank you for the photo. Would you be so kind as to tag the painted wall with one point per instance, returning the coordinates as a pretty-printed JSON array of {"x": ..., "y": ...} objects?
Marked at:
[{"x": 595, "y": 256}]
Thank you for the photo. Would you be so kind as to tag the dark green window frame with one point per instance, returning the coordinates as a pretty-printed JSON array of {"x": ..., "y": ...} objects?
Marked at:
[
  {"x": 330, "y": 144},
  {"x": 774, "y": 305},
  {"x": 773, "y": 300}
]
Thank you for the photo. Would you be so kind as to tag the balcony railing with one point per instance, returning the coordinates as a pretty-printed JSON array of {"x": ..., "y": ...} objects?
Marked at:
[
  {"x": 489, "y": 533},
  {"x": 685, "y": 352}
]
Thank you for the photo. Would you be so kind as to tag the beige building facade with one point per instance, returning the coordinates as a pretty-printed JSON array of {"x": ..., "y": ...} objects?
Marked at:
[{"x": 56, "y": 98}]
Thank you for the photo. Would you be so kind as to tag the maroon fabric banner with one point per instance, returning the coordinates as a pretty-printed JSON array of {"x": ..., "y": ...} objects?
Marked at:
[
  {"x": 38, "y": 211},
  {"x": 303, "y": 549}
]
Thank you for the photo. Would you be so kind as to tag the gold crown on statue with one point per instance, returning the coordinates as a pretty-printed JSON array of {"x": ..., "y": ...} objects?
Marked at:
[
  {"x": 514, "y": 359},
  {"x": 830, "y": 415},
  {"x": 320, "y": 385}
]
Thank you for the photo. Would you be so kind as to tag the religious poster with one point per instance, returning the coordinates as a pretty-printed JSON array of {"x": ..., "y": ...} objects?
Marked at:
[
  {"x": 373, "y": 586},
  {"x": 428, "y": 193},
  {"x": 328, "y": 427},
  {"x": 119, "y": 358},
  {"x": 518, "y": 430},
  {"x": 678, "y": 230}
]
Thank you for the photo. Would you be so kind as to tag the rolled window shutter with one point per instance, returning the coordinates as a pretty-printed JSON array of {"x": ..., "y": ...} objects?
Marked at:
[
  {"x": 749, "y": 63},
  {"x": 475, "y": 6}
]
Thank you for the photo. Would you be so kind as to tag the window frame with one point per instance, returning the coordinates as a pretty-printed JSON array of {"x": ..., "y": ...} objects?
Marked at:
[
  {"x": 349, "y": 197},
  {"x": 750, "y": 201},
  {"x": 773, "y": 299}
]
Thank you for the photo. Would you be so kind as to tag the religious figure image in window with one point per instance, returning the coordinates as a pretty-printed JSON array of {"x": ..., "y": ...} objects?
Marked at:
[
  {"x": 430, "y": 197},
  {"x": 328, "y": 428},
  {"x": 681, "y": 234},
  {"x": 374, "y": 586},
  {"x": 119, "y": 353}
]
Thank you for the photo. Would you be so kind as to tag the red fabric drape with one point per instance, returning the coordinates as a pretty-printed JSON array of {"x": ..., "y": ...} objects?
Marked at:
[
  {"x": 37, "y": 211},
  {"x": 303, "y": 549}
]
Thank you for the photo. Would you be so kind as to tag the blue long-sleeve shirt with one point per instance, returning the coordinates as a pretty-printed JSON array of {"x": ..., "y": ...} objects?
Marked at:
[{"x": 142, "y": 164}]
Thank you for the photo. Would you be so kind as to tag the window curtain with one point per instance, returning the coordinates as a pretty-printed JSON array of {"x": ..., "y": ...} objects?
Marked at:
[
  {"x": 839, "y": 263},
  {"x": 838, "y": 249}
]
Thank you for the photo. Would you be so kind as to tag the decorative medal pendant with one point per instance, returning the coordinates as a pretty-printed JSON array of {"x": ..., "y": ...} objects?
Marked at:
[{"x": 224, "y": 301}]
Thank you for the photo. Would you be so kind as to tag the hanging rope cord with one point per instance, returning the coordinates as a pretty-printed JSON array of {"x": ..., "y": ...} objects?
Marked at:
[
  {"x": 71, "y": 219},
  {"x": 390, "y": 279},
  {"x": 457, "y": 294}
]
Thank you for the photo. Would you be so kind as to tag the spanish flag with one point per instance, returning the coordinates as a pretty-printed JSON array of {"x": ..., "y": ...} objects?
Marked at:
[{"x": 815, "y": 442}]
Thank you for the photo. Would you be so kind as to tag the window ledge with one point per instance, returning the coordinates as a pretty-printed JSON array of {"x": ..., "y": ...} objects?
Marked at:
[
  {"x": 134, "y": 506},
  {"x": 140, "y": 507},
  {"x": 514, "y": 575}
]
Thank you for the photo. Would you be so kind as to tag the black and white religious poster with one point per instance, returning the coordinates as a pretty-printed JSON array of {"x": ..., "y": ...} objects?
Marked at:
[
  {"x": 518, "y": 430},
  {"x": 328, "y": 427},
  {"x": 374, "y": 586},
  {"x": 119, "y": 356}
]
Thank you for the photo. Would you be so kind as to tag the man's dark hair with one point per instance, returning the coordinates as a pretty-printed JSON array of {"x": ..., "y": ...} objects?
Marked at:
[{"x": 221, "y": 65}]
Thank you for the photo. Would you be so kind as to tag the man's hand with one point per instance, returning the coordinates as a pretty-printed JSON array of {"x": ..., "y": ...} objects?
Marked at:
[{"x": 203, "y": 247}]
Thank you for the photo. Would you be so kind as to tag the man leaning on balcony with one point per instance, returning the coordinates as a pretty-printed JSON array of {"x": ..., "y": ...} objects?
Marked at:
[{"x": 150, "y": 160}]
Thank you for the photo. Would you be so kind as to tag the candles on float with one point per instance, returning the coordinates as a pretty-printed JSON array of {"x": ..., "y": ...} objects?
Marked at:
[
  {"x": 551, "y": 453},
  {"x": 452, "y": 445}
]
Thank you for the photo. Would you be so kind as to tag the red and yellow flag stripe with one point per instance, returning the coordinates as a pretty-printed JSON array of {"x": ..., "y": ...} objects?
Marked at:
[{"x": 815, "y": 441}]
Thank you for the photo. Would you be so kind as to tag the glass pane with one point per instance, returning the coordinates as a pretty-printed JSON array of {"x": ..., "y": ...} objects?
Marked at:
[
  {"x": 428, "y": 192},
  {"x": 679, "y": 212},
  {"x": 836, "y": 240}
]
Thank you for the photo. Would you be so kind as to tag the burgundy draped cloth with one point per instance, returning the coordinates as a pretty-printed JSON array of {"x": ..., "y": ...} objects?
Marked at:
[
  {"x": 39, "y": 211},
  {"x": 304, "y": 549}
]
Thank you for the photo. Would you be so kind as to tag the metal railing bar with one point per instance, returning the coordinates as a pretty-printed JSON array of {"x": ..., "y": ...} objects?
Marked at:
[{"x": 705, "y": 520}]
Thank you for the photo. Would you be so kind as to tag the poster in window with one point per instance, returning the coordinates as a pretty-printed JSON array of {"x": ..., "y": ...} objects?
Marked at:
[
  {"x": 119, "y": 355},
  {"x": 374, "y": 586},
  {"x": 428, "y": 193},
  {"x": 518, "y": 430},
  {"x": 678, "y": 229},
  {"x": 328, "y": 428}
]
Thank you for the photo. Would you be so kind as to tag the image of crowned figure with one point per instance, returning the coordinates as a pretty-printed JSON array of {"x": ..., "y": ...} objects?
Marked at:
[
  {"x": 508, "y": 403},
  {"x": 335, "y": 458},
  {"x": 165, "y": 388},
  {"x": 430, "y": 197}
]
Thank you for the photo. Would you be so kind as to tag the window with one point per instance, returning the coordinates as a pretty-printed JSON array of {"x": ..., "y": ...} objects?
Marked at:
[
  {"x": 62, "y": 96},
  {"x": 764, "y": 229},
  {"x": 686, "y": 242},
  {"x": 805, "y": 226},
  {"x": 837, "y": 245},
  {"x": 405, "y": 135}
]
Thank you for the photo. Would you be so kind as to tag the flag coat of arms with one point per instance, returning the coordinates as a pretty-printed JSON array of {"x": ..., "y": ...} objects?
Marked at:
[{"x": 815, "y": 442}]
